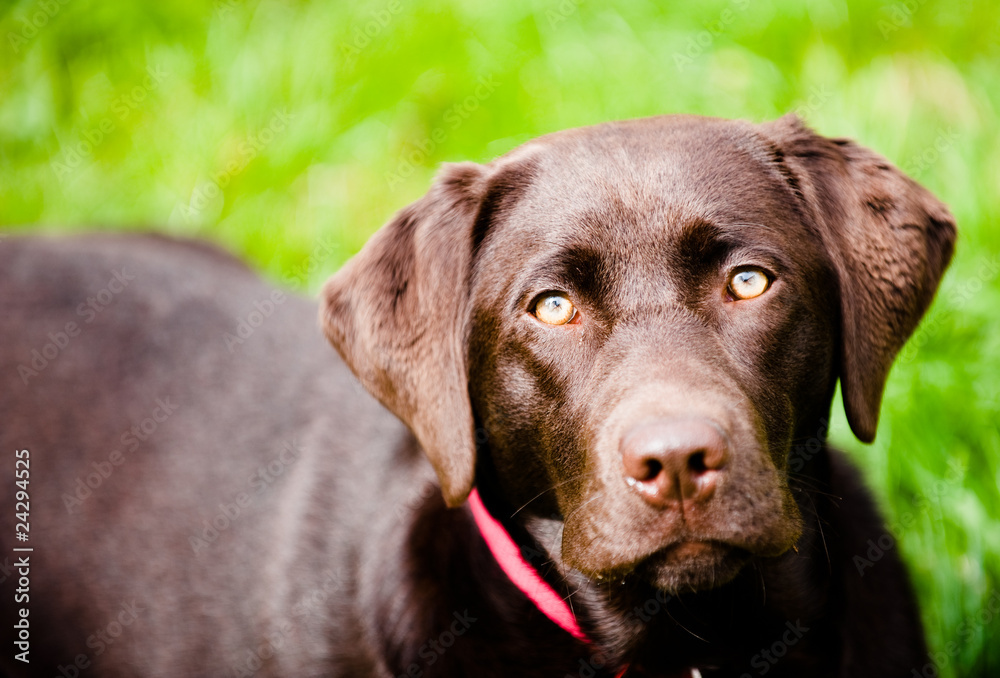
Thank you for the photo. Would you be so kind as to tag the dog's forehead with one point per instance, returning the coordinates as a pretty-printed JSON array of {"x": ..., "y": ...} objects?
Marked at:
[{"x": 657, "y": 175}]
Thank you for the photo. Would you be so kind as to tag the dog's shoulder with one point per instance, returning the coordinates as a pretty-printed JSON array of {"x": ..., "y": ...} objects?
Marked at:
[{"x": 872, "y": 575}]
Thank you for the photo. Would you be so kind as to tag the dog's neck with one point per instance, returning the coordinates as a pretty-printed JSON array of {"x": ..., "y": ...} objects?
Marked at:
[{"x": 511, "y": 560}]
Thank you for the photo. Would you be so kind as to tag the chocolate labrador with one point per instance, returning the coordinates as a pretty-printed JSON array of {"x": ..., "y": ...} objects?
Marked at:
[{"x": 602, "y": 368}]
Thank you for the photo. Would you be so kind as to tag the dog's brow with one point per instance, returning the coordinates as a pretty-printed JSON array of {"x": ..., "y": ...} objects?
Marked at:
[
  {"x": 697, "y": 244},
  {"x": 699, "y": 236},
  {"x": 580, "y": 266}
]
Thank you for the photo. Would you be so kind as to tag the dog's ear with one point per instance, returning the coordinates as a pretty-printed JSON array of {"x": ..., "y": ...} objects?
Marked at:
[
  {"x": 889, "y": 240},
  {"x": 397, "y": 313}
]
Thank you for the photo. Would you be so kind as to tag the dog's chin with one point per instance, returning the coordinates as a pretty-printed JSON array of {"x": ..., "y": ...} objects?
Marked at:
[{"x": 693, "y": 566}]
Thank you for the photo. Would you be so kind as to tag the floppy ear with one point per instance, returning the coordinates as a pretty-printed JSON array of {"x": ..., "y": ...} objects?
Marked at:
[
  {"x": 890, "y": 241},
  {"x": 397, "y": 314}
]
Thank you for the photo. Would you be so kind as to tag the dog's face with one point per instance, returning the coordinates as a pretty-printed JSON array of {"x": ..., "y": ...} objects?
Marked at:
[
  {"x": 636, "y": 320},
  {"x": 650, "y": 317}
]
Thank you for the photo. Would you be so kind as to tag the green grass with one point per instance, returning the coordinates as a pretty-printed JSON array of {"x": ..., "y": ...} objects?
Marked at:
[{"x": 282, "y": 131}]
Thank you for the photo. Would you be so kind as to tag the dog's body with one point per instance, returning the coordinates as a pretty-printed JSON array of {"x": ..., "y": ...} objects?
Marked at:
[{"x": 212, "y": 492}]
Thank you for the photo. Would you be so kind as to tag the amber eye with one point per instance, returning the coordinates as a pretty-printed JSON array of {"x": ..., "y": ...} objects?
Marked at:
[
  {"x": 554, "y": 309},
  {"x": 747, "y": 283}
]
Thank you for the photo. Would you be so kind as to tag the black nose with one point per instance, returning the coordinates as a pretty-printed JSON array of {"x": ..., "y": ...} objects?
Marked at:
[{"x": 668, "y": 461}]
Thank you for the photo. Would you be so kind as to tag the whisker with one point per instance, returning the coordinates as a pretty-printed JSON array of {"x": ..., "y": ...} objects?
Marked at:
[
  {"x": 763, "y": 585},
  {"x": 672, "y": 618},
  {"x": 811, "y": 484},
  {"x": 597, "y": 495},
  {"x": 560, "y": 484}
]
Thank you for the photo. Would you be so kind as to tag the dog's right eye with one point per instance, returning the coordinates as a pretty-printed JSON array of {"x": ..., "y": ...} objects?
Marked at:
[
  {"x": 554, "y": 309},
  {"x": 748, "y": 283}
]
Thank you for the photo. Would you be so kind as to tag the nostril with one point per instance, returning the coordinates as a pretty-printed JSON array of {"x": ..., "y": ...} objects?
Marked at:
[
  {"x": 651, "y": 469},
  {"x": 696, "y": 463}
]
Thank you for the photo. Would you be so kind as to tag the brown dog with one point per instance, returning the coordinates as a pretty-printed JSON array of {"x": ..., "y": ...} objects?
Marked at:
[{"x": 625, "y": 337}]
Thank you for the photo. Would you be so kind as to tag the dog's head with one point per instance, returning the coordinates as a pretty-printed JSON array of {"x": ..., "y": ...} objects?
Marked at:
[{"x": 634, "y": 321}]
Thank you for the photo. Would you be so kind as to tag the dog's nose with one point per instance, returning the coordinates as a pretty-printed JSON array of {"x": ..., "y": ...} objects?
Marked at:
[{"x": 674, "y": 460}]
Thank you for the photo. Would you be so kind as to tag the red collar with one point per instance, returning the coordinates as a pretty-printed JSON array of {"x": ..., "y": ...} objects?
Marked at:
[{"x": 525, "y": 577}]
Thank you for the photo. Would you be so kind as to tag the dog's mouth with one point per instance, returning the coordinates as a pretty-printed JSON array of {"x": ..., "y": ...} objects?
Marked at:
[
  {"x": 693, "y": 550},
  {"x": 683, "y": 566},
  {"x": 692, "y": 565},
  {"x": 671, "y": 554}
]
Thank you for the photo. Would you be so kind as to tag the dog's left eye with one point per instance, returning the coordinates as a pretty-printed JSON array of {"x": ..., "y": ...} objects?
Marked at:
[
  {"x": 554, "y": 309},
  {"x": 747, "y": 283}
]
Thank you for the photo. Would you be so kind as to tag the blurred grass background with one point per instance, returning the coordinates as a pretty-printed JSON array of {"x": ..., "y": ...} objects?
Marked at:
[{"x": 288, "y": 131}]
